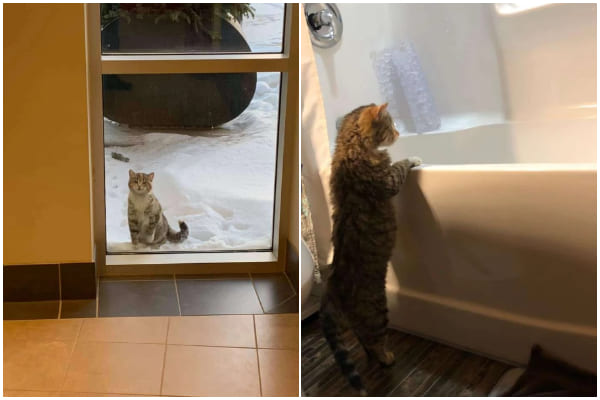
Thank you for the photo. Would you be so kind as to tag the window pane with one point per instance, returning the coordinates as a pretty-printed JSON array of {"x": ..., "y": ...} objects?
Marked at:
[
  {"x": 210, "y": 140},
  {"x": 192, "y": 28}
]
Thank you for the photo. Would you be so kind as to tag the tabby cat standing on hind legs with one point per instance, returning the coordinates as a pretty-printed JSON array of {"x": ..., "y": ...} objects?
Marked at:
[
  {"x": 363, "y": 181},
  {"x": 147, "y": 223}
]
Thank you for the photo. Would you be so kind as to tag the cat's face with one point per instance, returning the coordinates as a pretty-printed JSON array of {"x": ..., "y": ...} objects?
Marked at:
[
  {"x": 375, "y": 124},
  {"x": 139, "y": 182}
]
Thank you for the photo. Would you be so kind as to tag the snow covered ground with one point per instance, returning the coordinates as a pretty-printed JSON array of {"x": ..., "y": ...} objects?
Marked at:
[
  {"x": 264, "y": 32},
  {"x": 219, "y": 181}
]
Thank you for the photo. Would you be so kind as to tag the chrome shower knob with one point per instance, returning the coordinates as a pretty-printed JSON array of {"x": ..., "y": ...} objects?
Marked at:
[
  {"x": 320, "y": 19},
  {"x": 324, "y": 22}
]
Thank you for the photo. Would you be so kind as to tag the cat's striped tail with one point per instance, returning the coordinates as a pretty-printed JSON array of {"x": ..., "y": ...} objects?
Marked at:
[
  {"x": 176, "y": 237},
  {"x": 330, "y": 325}
]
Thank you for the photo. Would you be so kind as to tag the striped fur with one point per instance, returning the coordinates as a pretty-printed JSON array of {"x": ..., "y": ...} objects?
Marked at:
[
  {"x": 363, "y": 181},
  {"x": 147, "y": 223}
]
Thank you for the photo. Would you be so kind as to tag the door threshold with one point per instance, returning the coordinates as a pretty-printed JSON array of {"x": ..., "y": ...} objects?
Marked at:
[{"x": 194, "y": 258}]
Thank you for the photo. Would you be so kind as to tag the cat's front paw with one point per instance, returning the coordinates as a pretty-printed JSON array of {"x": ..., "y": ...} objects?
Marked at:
[{"x": 415, "y": 161}]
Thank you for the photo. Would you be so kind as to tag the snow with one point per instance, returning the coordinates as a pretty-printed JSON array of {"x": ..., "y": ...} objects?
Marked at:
[
  {"x": 264, "y": 32},
  {"x": 221, "y": 181}
]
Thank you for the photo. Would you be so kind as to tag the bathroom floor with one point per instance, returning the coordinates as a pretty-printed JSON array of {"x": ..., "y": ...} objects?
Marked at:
[
  {"x": 422, "y": 368},
  {"x": 217, "y": 355}
]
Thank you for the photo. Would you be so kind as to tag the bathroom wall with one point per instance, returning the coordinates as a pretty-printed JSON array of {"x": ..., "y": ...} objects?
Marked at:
[
  {"x": 47, "y": 210},
  {"x": 345, "y": 71},
  {"x": 456, "y": 47},
  {"x": 482, "y": 67},
  {"x": 457, "y": 51},
  {"x": 549, "y": 61}
]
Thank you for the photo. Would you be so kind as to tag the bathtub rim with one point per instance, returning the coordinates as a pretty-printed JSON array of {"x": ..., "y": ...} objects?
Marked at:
[{"x": 525, "y": 167}]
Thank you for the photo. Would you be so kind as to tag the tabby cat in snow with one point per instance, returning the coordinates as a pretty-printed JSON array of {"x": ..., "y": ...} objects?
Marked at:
[
  {"x": 363, "y": 181},
  {"x": 147, "y": 223}
]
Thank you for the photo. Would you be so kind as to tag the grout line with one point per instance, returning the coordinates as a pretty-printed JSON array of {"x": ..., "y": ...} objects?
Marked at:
[
  {"x": 59, "y": 293},
  {"x": 290, "y": 282},
  {"x": 177, "y": 295},
  {"x": 257, "y": 357},
  {"x": 256, "y": 292},
  {"x": 284, "y": 301},
  {"x": 110, "y": 394},
  {"x": 33, "y": 393},
  {"x": 255, "y": 335},
  {"x": 97, "y": 296},
  {"x": 186, "y": 345},
  {"x": 222, "y": 278},
  {"x": 120, "y": 341},
  {"x": 62, "y": 387},
  {"x": 215, "y": 347},
  {"x": 183, "y": 277},
  {"x": 162, "y": 377}
]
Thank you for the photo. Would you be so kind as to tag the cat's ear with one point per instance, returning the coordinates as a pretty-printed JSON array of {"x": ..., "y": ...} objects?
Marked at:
[
  {"x": 131, "y": 173},
  {"x": 376, "y": 112},
  {"x": 380, "y": 110},
  {"x": 151, "y": 176},
  {"x": 373, "y": 111}
]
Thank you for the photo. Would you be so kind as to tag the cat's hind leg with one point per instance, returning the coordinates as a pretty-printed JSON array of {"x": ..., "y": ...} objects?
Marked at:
[
  {"x": 370, "y": 324},
  {"x": 333, "y": 325},
  {"x": 157, "y": 245}
]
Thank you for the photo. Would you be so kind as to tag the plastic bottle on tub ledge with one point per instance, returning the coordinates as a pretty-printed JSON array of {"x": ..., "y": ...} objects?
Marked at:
[{"x": 403, "y": 85}]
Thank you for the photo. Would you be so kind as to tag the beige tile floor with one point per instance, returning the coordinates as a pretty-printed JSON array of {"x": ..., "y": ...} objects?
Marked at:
[{"x": 224, "y": 355}]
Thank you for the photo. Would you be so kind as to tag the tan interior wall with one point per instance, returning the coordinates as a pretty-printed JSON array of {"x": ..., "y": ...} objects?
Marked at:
[
  {"x": 294, "y": 231},
  {"x": 46, "y": 157},
  {"x": 289, "y": 198}
]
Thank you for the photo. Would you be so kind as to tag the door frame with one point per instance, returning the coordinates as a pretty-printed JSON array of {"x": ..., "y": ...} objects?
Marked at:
[{"x": 287, "y": 63}]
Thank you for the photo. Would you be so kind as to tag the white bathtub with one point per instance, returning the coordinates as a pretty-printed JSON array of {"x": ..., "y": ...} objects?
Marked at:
[
  {"x": 564, "y": 141},
  {"x": 496, "y": 244},
  {"x": 494, "y": 258}
]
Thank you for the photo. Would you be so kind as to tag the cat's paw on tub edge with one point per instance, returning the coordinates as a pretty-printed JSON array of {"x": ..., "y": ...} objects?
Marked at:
[{"x": 415, "y": 161}]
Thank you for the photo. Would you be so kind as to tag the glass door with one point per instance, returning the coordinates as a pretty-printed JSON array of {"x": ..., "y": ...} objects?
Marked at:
[{"x": 188, "y": 121}]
